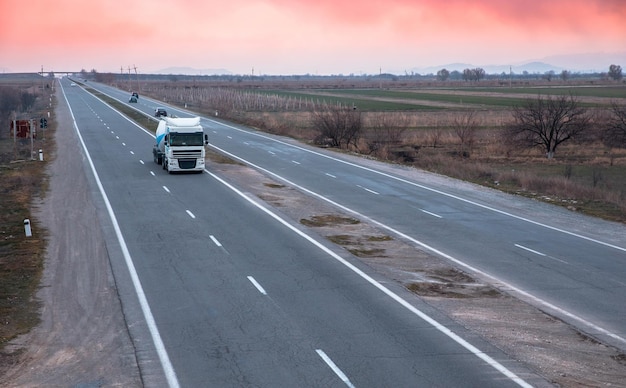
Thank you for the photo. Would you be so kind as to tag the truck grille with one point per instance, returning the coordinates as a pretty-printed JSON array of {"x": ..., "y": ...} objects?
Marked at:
[
  {"x": 187, "y": 154},
  {"x": 187, "y": 163}
]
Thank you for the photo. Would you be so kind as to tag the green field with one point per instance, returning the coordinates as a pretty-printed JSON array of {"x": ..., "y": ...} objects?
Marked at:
[
  {"x": 337, "y": 97},
  {"x": 444, "y": 96},
  {"x": 437, "y": 99},
  {"x": 583, "y": 91}
]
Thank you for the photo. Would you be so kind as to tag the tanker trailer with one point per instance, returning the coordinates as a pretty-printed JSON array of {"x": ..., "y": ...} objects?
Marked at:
[{"x": 180, "y": 144}]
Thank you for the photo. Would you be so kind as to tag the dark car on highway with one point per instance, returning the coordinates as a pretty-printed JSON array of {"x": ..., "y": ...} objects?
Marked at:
[{"x": 160, "y": 112}]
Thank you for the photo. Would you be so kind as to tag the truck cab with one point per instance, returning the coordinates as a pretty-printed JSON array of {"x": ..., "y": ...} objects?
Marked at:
[{"x": 180, "y": 144}]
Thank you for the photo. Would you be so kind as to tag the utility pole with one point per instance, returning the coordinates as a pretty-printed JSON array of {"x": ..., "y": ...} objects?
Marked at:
[
  {"x": 31, "y": 124},
  {"x": 14, "y": 137},
  {"x": 130, "y": 81},
  {"x": 136, "y": 78}
]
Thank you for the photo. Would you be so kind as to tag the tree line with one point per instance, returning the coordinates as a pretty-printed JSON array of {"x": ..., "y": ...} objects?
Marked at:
[
  {"x": 476, "y": 74},
  {"x": 545, "y": 122}
]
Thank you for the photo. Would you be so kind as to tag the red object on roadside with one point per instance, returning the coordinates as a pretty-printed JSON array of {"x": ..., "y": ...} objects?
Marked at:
[{"x": 23, "y": 129}]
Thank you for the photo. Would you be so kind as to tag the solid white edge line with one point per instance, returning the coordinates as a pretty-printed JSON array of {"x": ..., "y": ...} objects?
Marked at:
[
  {"x": 436, "y": 251},
  {"x": 257, "y": 285},
  {"x": 334, "y": 367},
  {"x": 168, "y": 369},
  {"x": 471, "y": 348}
]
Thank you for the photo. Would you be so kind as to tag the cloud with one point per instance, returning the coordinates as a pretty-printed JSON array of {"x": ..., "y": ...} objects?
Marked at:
[{"x": 285, "y": 34}]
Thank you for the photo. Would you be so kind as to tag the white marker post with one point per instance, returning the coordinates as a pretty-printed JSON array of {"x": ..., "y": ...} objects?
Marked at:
[{"x": 27, "y": 229}]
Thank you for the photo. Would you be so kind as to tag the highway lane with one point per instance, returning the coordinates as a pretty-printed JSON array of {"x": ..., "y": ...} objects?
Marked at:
[
  {"x": 241, "y": 299},
  {"x": 537, "y": 251}
]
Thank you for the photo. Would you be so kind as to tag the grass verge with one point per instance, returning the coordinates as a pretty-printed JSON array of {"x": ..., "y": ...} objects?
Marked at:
[{"x": 23, "y": 183}]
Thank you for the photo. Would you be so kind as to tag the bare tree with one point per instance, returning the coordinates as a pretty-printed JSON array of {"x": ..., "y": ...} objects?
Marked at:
[
  {"x": 548, "y": 75},
  {"x": 338, "y": 126},
  {"x": 443, "y": 74},
  {"x": 548, "y": 122},
  {"x": 391, "y": 126},
  {"x": 615, "y": 132},
  {"x": 27, "y": 101},
  {"x": 9, "y": 100},
  {"x": 615, "y": 72},
  {"x": 480, "y": 73},
  {"x": 475, "y": 74},
  {"x": 387, "y": 129},
  {"x": 434, "y": 136},
  {"x": 465, "y": 128}
]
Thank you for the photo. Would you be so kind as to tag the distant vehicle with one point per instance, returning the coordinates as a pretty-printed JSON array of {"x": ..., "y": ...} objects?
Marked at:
[
  {"x": 160, "y": 112},
  {"x": 180, "y": 144},
  {"x": 73, "y": 84},
  {"x": 133, "y": 98},
  {"x": 136, "y": 95}
]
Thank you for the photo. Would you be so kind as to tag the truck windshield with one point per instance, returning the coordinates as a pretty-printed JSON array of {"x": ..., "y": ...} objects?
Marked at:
[{"x": 186, "y": 139}]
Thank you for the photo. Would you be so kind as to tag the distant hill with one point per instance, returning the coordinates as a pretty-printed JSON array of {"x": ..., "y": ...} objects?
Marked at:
[
  {"x": 588, "y": 63},
  {"x": 577, "y": 63}
]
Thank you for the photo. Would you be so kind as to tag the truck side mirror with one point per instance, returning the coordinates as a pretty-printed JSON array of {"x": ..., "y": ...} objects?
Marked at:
[
  {"x": 165, "y": 139},
  {"x": 206, "y": 139}
]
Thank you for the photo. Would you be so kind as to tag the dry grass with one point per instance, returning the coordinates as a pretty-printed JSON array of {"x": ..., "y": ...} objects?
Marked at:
[
  {"x": 329, "y": 219},
  {"x": 23, "y": 183},
  {"x": 21, "y": 257}
]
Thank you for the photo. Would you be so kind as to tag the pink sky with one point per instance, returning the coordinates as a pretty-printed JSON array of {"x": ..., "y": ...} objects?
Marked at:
[{"x": 301, "y": 36}]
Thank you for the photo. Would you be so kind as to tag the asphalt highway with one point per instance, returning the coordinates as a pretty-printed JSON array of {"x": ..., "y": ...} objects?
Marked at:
[
  {"x": 571, "y": 266},
  {"x": 232, "y": 295}
]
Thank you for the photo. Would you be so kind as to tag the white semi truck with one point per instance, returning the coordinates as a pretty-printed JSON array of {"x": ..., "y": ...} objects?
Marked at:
[{"x": 180, "y": 144}]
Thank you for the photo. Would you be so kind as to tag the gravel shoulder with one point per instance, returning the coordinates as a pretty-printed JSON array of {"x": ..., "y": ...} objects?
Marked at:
[{"x": 84, "y": 341}]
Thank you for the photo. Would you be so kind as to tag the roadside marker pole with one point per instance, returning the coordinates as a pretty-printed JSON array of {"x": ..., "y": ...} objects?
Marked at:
[{"x": 27, "y": 229}]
